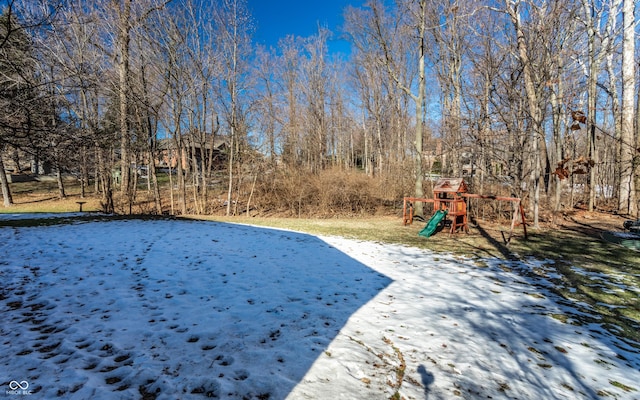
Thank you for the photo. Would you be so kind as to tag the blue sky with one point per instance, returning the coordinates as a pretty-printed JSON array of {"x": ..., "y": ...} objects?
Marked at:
[{"x": 276, "y": 19}]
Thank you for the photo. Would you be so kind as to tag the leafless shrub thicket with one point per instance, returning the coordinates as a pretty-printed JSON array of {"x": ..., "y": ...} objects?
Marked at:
[{"x": 331, "y": 192}]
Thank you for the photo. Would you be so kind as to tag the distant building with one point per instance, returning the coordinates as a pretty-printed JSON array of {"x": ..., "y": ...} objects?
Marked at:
[
  {"x": 20, "y": 166},
  {"x": 169, "y": 156}
]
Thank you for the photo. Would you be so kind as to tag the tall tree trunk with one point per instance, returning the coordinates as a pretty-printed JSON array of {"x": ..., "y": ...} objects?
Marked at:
[
  {"x": 61, "y": 193},
  {"x": 534, "y": 106},
  {"x": 152, "y": 140},
  {"x": 4, "y": 183},
  {"x": 84, "y": 172},
  {"x": 627, "y": 203},
  {"x": 636, "y": 158},
  {"x": 124, "y": 36},
  {"x": 235, "y": 40},
  {"x": 420, "y": 99},
  {"x": 231, "y": 162},
  {"x": 182, "y": 187},
  {"x": 616, "y": 111},
  {"x": 591, "y": 125},
  {"x": 557, "y": 107},
  {"x": 104, "y": 169},
  {"x": 595, "y": 57}
]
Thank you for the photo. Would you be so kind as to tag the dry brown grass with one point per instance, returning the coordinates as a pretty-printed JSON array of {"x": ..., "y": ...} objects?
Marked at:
[{"x": 41, "y": 197}]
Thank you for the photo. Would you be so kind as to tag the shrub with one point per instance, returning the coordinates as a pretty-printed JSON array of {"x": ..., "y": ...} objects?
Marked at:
[{"x": 329, "y": 193}]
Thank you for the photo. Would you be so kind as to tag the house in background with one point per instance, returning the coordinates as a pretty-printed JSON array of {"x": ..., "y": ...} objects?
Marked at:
[
  {"x": 20, "y": 166},
  {"x": 169, "y": 155}
]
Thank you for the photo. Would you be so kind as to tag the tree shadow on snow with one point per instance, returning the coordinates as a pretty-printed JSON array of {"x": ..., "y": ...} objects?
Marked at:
[{"x": 173, "y": 309}]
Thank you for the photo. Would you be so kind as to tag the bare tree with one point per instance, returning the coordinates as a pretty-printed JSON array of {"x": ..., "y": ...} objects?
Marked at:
[
  {"x": 14, "y": 54},
  {"x": 596, "y": 16},
  {"x": 176, "y": 74},
  {"x": 386, "y": 35},
  {"x": 382, "y": 142},
  {"x": 21, "y": 101},
  {"x": 203, "y": 113},
  {"x": 267, "y": 98},
  {"x": 233, "y": 24},
  {"x": 449, "y": 21},
  {"x": 314, "y": 70},
  {"x": 627, "y": 202},
  {"x": 122, "y": 19},
  {"x": 370, "y": 87},
  {"x": 290, "y": 77},
  {"x": 513, "y": 10},
  {"x": 152, "y": 94}
]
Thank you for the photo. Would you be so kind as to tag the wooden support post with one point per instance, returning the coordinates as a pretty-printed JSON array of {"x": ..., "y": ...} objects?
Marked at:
[
  {"x": 518, "y": 211},
  {"x": 524, "y": 222},
  {"x": 513, "y": 225},
  {"x": 407, "y": 208},
  {"x": 406, "y": 220}
]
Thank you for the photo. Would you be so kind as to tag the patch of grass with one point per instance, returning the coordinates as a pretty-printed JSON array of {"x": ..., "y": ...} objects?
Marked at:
[
  {"x": 603, "y": 363},
  {"x": 623, "y": 386},
  {"x": 376, "y": 229},
  {"x": 567, "y": 386},
  {"x": 616, "y": 308},
  {"x": 503, "y": 387},
  {"x": 561, "y": 349},
  {"x": 43, "y": 197},
  {"x": 54, "y": 205},
  {"x": 387, "y": 362},
  {"x": 400, "y": 369}
]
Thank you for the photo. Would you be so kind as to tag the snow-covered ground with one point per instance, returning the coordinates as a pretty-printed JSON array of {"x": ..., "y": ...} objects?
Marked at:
[{"x": 191, "y": 309}]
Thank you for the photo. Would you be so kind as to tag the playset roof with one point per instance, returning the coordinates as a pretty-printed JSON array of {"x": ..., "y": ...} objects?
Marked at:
[{"x": 450, "y": 185}]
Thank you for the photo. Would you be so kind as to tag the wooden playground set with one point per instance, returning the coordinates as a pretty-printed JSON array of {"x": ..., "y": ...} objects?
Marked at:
[{"x": 450, "y": 204}]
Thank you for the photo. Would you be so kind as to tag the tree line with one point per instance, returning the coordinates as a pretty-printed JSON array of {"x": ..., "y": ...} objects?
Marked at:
[{"x": 534, "y": 98}]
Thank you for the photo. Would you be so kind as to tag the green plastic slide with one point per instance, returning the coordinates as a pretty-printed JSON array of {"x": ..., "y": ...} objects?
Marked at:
[{"x": 433, "y": 223}]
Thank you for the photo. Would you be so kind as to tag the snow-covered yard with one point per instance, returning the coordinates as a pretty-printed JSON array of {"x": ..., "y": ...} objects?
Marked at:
[{"x": 190, "y": 309}]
